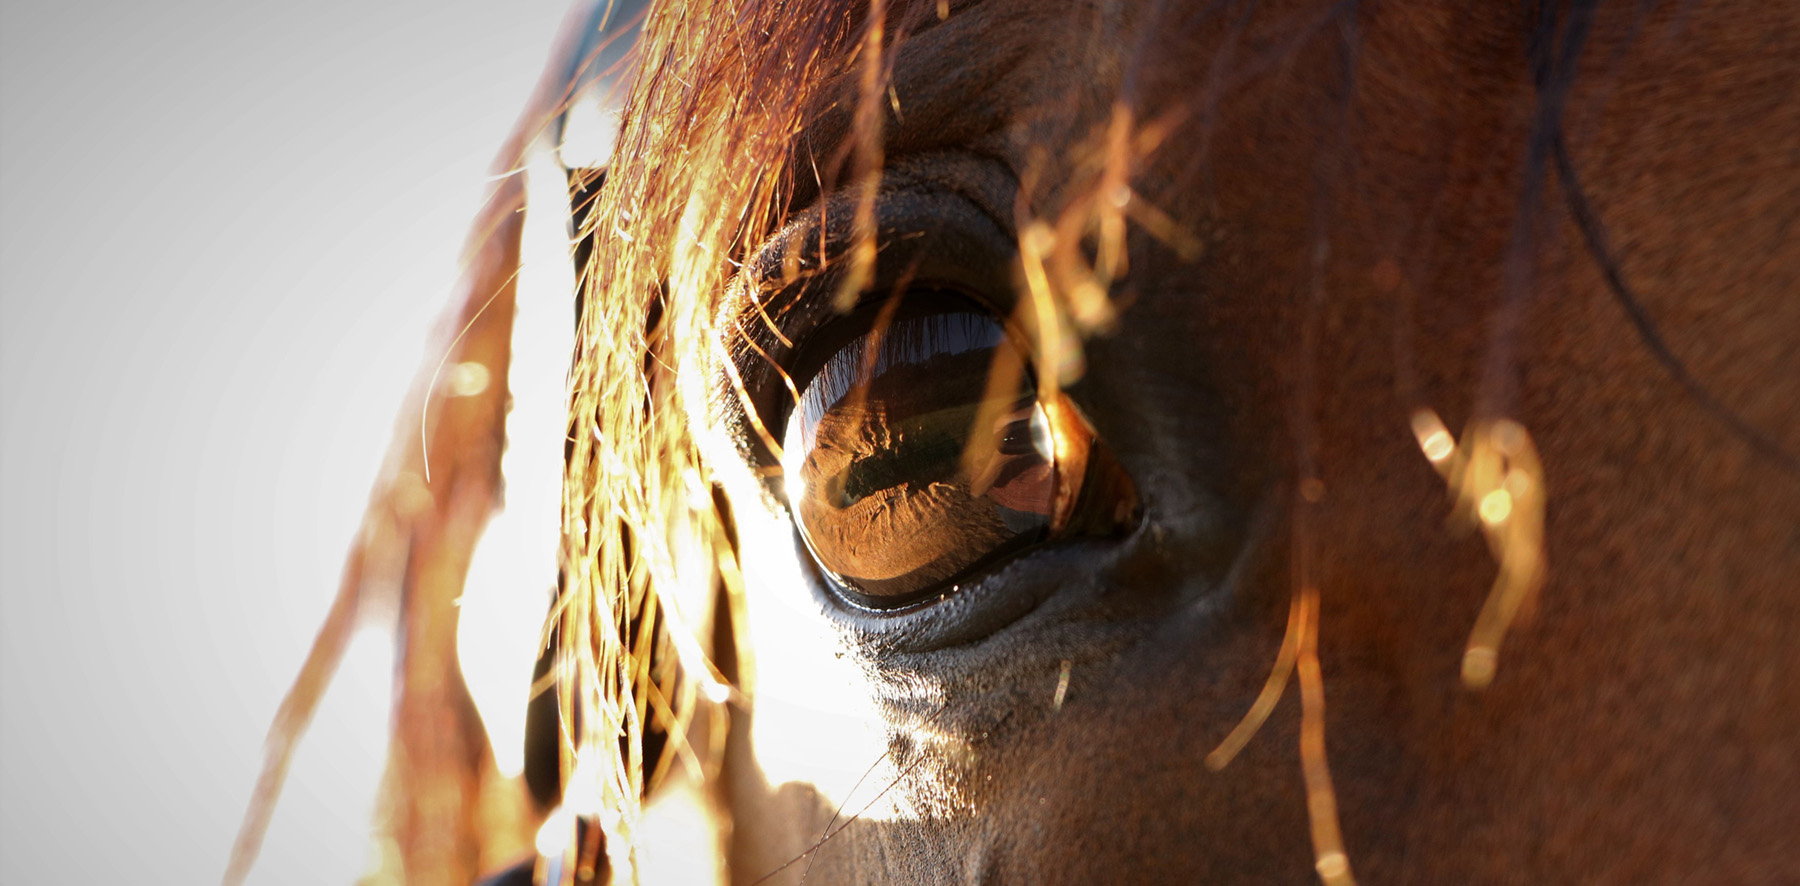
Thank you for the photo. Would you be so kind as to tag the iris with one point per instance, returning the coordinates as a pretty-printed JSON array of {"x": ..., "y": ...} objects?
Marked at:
[{"x": 918, "y": 451}]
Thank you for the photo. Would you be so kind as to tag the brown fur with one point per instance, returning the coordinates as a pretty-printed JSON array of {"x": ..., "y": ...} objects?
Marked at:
[{"x": 1339, "y": 222}]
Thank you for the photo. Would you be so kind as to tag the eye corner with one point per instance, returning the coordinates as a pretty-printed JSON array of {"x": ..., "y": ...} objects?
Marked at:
[{"x": 1104, "y": 500}]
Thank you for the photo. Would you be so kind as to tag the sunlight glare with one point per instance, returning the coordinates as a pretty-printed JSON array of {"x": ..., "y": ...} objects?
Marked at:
[
  {"x": 1495, "y": 507},
  {"x": 468, "y": 379},
  {"x": 554, "y": 837},
  {"x": 589, "y": 132},
  {"x": 1434, "y": 438},
  {"x": 677, "y": 841},
  {"x": 814, "y": 724},
  {"x": 513, "y": 573}
]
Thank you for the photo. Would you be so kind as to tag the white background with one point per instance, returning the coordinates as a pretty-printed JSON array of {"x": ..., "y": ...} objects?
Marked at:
[{"x": 225, "y": 231}]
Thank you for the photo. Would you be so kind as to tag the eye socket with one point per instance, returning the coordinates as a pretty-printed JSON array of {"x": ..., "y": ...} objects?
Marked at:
[{"x": 920, "y": 451}]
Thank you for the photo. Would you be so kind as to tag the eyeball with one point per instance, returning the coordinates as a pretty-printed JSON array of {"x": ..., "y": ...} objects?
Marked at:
[{"x": 919, "y": 451}]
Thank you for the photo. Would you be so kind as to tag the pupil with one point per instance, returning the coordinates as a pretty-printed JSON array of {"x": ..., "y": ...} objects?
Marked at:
[{"x": 918, "y": 449}]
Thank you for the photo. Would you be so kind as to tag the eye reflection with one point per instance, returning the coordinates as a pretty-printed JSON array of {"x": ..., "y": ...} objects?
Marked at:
[{"x": 918, "y": 449}]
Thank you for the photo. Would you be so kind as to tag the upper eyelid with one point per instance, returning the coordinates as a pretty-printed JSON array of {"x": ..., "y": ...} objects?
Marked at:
[
  {"x": 955, "y": 242},
  {"x": 787, "y": 309},
  {"x": 761, "y": 313},
  {"x": 777, "y": 366}
]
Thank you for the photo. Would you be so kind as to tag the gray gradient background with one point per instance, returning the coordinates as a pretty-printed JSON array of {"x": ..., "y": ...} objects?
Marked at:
[{"x": 225, "y": 229}]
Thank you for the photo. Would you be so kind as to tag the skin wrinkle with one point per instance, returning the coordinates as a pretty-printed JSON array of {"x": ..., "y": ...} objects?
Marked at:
[
  {"x": 1639, "y": 725},
  {"x": 992, "y": 44}
]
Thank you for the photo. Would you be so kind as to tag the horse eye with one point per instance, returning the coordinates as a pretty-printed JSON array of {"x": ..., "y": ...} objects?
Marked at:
[{"x": 919, "y": 450}]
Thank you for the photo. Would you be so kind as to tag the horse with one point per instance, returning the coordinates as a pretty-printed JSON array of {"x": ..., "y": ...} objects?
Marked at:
[{"x": 1191, "y": 441}]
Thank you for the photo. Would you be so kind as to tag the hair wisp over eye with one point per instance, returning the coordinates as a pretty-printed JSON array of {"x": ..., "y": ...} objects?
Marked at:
[{"x": 707, "y": 136}]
